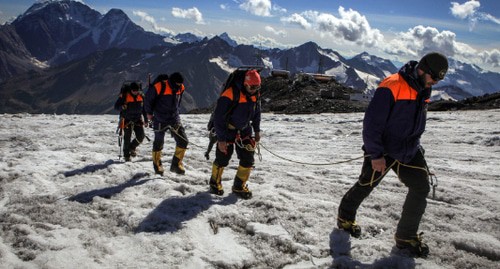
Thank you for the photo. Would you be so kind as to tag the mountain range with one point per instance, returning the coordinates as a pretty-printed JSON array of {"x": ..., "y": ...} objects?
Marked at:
[{"x": 65, "y": 57}]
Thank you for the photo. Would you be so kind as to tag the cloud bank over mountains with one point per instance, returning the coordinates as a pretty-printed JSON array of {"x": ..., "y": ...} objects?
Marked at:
[{"x": 352, "y": 28}]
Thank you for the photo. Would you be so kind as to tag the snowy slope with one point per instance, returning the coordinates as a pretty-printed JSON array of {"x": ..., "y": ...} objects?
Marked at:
[{"x": 67, "y": 201}]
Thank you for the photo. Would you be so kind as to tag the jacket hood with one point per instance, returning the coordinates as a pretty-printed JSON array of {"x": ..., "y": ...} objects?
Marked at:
[{"x": 409, "y": 73}]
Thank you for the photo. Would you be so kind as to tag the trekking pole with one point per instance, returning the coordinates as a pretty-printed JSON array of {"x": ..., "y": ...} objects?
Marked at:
[
  {"x": 119, "y": 131},
  {"x": 120, "y": 147},
  {"x": 257, "y": 147},
  {"x": 120, "y": 137},
  {"x": 434, "y": 183},
  {"x": 212, "y": 140},
  {"x": 433, "y": 178}
]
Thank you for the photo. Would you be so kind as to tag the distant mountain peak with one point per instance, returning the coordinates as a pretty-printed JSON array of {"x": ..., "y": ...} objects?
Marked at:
[
  {"x": 60, "y": 11},
  {"x": 225, "y": 36},
  {"x": 115, "y": 18},
  {"x": 310, "y": 44},
  {"x": 117, "y": 13}
]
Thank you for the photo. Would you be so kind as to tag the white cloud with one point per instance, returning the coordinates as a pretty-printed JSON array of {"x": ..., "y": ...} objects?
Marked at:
[
  {"x": 260, "y": 41},
  {"x": 465, "y": 10},
  {"x": 489, "y": 17},
  {"x": 192, "y": 14},
  {"x": 420, "y": 40},
  {"x": 491, "y": 57},
  {"x": 223, "y": 7},
  {"x": 470, "y": 11},
  {"x": 351, "y": 26},
  {"x": 257, "y": 7},
  {"x": 298, "y": 20},
  {"x": 270, "y": 29},
  {"x": 279, "y": 9},
  {"x": 145, "y": 17}
]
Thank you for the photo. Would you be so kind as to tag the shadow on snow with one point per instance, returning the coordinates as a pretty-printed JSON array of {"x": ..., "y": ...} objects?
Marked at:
[
  {"x": 88, "y": 196},
  {"x": 90, "y": 168},
  {"x": 340, "y": 250},
  {"x": 169, "y": 216}
]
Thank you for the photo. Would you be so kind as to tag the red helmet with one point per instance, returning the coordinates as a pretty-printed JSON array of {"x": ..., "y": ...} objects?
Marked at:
[{"x": 252, "y": 78}]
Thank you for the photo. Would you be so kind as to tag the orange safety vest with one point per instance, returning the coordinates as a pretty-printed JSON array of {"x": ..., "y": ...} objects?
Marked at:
[
  {"x": 168, "y": 90},
  {"x": 400, "y": 89}
]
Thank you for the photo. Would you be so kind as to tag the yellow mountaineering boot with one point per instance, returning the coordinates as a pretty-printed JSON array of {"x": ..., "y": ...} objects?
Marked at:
[
  {"x": 215, "y": 180},
  {"x": 177, "y": 165},
  {"x": 157, "y": 162},
  {"x": 349, "y": 226},
  {"x": 240, "y": 187},
  {"x": 413, "y": 245}
]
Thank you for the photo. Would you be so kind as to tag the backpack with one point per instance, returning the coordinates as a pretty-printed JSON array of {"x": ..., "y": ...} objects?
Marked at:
[
  {"x": 163, "y": 87},
  {"x": 159, "y": 78},
  {"x": 126, "y": 86},
  {"x": 235, "y": 78}
]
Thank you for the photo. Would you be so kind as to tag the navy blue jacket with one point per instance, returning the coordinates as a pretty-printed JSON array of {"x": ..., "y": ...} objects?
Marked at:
[
  {"x": 164, "y": 106},
  {"x": 396, "y": 116},
  {"x": 244, "y": 116}
]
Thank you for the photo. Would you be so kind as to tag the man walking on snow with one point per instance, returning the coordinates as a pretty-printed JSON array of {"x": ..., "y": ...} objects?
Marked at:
[
  {"x": 233, "y": 128},
  {"x": 393, "y": 124},
  {"x": 162, "y": 104}
]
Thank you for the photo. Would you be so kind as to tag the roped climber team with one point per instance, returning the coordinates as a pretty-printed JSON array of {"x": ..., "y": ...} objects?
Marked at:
[{"x": 393, "y": 124}]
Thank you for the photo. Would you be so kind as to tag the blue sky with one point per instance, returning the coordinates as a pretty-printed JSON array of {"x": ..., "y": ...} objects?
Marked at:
[{"x": 466, "y": 30}]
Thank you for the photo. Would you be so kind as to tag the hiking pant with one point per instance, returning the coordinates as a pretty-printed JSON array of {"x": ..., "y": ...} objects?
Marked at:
[
  {"x": 128, "y": 145},
  {"x": 413, "y": 174},
  {"x": 245, "y": 156},
  {"x": 179, "y": 135}
]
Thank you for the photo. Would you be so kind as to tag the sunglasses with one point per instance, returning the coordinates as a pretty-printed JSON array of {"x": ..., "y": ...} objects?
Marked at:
[
  {"x": 434, "y": 76},
  {"x": 253, "y": 87}
]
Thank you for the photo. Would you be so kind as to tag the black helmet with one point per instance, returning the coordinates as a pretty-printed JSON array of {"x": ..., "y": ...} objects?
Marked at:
[
  {"x": 176, "y": 77},
  {"x": 434, "y": 64},
  {"x": 134, "y": 86}
]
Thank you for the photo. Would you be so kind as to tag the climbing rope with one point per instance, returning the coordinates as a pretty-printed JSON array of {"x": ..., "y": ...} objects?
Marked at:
[
  {"x": 257, "y": 145},
  {"x": 176, "y": 131},
  {"x": 308, "y": 163}
]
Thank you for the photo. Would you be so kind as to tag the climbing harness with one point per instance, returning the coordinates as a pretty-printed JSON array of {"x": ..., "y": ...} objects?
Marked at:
[
  {"x": 249, "y": 147},
  {"x": 432, "y": 176}
]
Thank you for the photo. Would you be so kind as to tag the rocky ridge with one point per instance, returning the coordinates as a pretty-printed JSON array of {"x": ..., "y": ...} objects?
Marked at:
[{"x": 309, "y": 96}]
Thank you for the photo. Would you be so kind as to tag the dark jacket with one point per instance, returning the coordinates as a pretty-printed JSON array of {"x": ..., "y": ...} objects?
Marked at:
[
  {"x": 164, "y": 102},
  {"x": 243, "y": 117},
  {"x": 396, "y": 116},
  {"x": 133, "y": 109}
]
